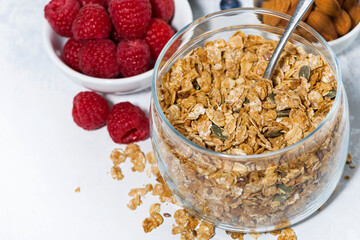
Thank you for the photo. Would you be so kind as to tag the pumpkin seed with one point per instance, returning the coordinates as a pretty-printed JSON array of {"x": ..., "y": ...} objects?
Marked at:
[
  {"x": 287, "y": 189},
  {"x": 281, "y": 197},
  {"x": 304, "y": 72},
  {"x": 222, "y": 100},
  {"x": 272, "y": 97},
  {"x": 196, "y": 85},
  {"x": 273, "y": 134},
  {"x": 246, "y": 101},
  {"x": 283, "y": 113},
  {"x": 331, "y": 94},
  {"x": 218, "y": 132}
]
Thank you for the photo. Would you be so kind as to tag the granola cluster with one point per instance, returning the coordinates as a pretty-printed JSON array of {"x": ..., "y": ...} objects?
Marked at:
[{"x": 216, "y": 97}]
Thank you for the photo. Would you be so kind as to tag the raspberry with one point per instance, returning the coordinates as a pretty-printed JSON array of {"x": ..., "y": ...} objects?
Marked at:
[
  {"x": 61, "y": 14},
  {"x": 71, "y": 52},
  {"x": 133, "y": 57},
  {"x": 130, "y": 17},
  {"x": 163, "y": 9},
  {"x": 98, "y": 59},
  {"x": 127, "y": 123},
  {"x": 117, "y": 37},
  {"x": 90, "y": 110},
  {"x": 101, "y": 2},
  {"x": 158, "y": 34},
  {"x": 92, "y": 22}
]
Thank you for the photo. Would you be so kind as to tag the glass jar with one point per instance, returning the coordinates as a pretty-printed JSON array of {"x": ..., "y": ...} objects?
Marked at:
[{"x": 251, "y": 193}]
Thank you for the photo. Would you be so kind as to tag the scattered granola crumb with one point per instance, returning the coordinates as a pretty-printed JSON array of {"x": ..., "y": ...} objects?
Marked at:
[
  {"x": 287, "y": 234},
  {"x": 205, "y": 231},
  {"x": 134, "y": 203},
  {"x": 352, "y": 166},
  {"x": 155, "y": 171},
  {"x": 137, "y": 191},
  {"x": 255, "y": 235},
  {"x": 131, "y": 148},
  {"x": 167, "y": 215},
  {"x": 155, "y": 208},
  {"x": 275, "y": 233},
  {"x": 148, "y": 172},
  {"x": 347, "y": 177},
  {"x": 152, "y": 222},
  {"x": 155, "y": 219},
  {"x": 163, "y": 191},
  {"x": 149, "y": 187},
  {"x": 320, "y": 208},
  {"x": 284, "y": 224},
  {"x": 236, "y": 235},
  {"x": 77, "y": 189},
  {"x": 186, "y": 225},
  {"x": 116, "y": 173},
  {"x": 150, "y": 158},
  {"x": 349, "y": 158},
  {"x": 118, "y": 156},
  {"x": 138, "y": 159}
]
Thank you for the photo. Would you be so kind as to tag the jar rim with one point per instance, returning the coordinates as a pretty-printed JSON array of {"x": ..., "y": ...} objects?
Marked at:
[{"x": 254, "y": 156}]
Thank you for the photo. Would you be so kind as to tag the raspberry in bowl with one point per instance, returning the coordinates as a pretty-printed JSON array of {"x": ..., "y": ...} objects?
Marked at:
[{"x": 110, "y": 56}]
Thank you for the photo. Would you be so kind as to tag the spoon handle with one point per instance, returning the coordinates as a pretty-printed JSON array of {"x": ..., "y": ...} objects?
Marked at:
[{"x": 299, "y": 12}]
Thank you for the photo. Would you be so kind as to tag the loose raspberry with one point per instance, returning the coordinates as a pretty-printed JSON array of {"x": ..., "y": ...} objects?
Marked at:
[
  {"x": 163, "y": 9},
  {"x": 61, "y": 14},
  {"x": 90, "y": 110},
  {"x": 92, "y": 22},
  {"x": 127, "y": 123},
  {"x": 158, "y": 34},
  {"x": 133, "y": 57},
  {"x": 101, "y": 2},
  {"x": 71, "y": 52},
  {"x": 130, "y": 17},
  {"x": 98, "y": 59}
]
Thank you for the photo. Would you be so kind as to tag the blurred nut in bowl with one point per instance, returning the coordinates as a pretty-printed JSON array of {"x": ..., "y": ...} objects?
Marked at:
[
  {"x": 329, "y": 7},
  {"x": 347, "y": 5},
  {"x": 293, "y": 7},
  {"x": 354, "y": 13},
  {"x": 322, "y": 24},
  {"x": 342, "y": 23},
  {"x": 341, "y": 2},
  {"x": 277, "y": 5}
]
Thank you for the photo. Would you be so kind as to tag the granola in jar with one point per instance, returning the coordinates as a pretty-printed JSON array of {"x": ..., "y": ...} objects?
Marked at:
[{"x": 216, "y": 97}]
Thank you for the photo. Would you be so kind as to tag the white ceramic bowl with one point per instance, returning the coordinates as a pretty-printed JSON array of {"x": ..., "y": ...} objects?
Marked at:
[
  {"x": 340, "y": 44},
  {"x": 54, "y": 45}
]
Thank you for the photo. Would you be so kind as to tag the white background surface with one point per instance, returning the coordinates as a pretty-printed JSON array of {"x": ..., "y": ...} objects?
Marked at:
[{"x": 44, "y": 156}]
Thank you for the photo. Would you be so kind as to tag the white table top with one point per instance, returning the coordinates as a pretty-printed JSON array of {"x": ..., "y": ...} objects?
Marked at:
[{"x": 44, "y": 156}]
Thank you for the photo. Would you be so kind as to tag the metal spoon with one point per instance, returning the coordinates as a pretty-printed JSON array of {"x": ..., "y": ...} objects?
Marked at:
[{"x": 299, "y": 12}]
